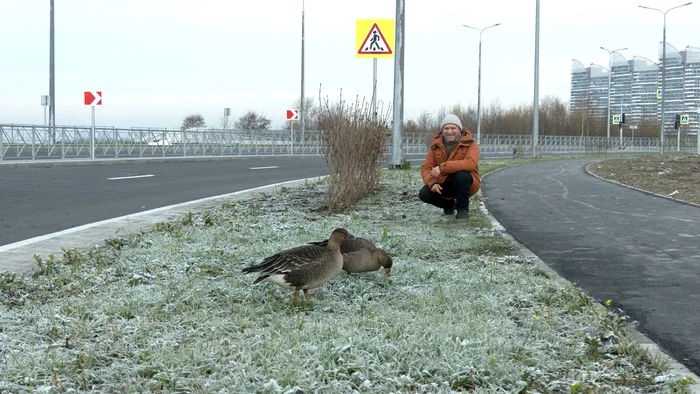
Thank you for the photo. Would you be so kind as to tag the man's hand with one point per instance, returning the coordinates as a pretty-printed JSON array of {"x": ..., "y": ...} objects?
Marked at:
[
  {"x": 435, "y": 172},
  {"x": 436, "y": 188}
]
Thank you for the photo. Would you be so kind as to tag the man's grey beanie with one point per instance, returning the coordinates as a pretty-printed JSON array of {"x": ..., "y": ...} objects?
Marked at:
[{"x": 451, "y": 119}]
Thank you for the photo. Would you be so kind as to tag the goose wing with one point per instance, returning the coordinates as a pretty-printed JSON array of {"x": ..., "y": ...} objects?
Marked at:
[{"x": 287, "y": 260}]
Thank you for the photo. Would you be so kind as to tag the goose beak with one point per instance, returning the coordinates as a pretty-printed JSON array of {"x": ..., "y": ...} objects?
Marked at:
[{"x": 388, "y": 272}]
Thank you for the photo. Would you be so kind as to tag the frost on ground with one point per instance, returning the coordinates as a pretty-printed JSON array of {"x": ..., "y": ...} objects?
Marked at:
[{"x": 170, "y": 311}]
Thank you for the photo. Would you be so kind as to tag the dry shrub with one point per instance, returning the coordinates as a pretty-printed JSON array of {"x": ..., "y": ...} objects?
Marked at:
[{"x": 354, "y": 144}]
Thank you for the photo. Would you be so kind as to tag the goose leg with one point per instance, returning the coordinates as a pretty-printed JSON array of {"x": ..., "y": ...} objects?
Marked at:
[
  {"x": 296, "y": 296},
  {"x": 306, "y": 294}
]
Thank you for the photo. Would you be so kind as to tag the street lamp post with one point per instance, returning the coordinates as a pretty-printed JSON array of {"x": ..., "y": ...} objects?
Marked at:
[
  {"x": 609, "y": 79},
  {"x": 302, "y": 108},
  {"x": 536, "y": 90},
  {"x": 52, "y": 75},
  {"x": 663, "y": 71},
  {"x": 478, "y": 99}
]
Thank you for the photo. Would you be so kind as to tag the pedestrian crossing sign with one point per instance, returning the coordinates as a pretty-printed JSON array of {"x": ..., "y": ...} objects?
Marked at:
[
  {"x": 658, "y": 93},
  {"x": 685, "y": 119},
  {"x": 616, "y": 119},
  {"x": 374, "y": 38}
]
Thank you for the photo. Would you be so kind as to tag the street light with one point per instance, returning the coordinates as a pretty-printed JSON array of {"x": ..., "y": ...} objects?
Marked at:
[
  {"x": 609, "y": 78},
  {"x": 478, "y": 99},
  {"x": 663, "y": 70},
  {"x": 302, "y": 110}
]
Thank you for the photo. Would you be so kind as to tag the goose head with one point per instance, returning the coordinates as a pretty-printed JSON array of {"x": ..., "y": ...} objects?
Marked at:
[
  {"x": 338, "y": 236},
  {"x": 384, "y": 260}
]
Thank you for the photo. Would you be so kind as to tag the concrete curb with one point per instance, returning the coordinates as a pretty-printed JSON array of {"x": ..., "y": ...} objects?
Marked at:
[
  {"x": 644, "y": 342},
  {"x": 588, "y": 171}
]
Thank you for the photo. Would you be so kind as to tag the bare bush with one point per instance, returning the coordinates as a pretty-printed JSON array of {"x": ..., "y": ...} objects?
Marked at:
[{"x": 354, "y": 144}]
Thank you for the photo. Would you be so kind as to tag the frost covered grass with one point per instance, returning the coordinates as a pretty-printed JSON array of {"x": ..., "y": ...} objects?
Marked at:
[{"x": 170, "y": 311}]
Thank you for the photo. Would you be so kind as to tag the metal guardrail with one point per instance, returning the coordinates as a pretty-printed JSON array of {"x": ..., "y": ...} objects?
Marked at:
[{"x": 37, "y": 142}]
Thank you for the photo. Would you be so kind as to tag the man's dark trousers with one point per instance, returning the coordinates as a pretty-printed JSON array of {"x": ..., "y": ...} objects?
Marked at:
[{"x": 455, "y": 187}]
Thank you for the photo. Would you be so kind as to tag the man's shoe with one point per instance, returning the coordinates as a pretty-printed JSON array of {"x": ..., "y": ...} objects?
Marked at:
[
  {"x": 449, "y": 211},
  {"x": 462, "y": 215}
]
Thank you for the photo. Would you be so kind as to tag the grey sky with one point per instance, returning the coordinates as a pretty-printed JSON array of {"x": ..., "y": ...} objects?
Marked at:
[{"x": 157, "y": 61}]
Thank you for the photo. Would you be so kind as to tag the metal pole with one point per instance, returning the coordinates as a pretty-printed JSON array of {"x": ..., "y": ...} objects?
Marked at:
[
  {"x": 92, "y": 135},
  {"x": 609, "y": 85},
  {"x": 397, "y": 126},
  {"x": 536, "y": 99},
  {"x": 663, "y": 87},
  {"x": 478, "y": 98},
  {"x": 52, "y": 75},
  {"x": 609, "y": 80},
  {"x": 663, "y": 72},
  {"x": 374, "y": 90},
  {"x": 303, "y": 98}
]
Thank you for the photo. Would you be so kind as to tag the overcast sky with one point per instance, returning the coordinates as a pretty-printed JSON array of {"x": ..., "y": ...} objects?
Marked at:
[{"x": 157, "y": 61}]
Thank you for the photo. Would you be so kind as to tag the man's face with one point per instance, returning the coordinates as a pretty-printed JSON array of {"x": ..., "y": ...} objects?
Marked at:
[{"x": 451, "y": 132}]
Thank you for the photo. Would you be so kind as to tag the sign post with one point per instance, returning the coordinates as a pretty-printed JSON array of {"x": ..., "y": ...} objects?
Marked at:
[
  {"x": 374, "y": 38},
  {"x": 292, "y": 115},
  {"x": 93, "y": 99},
  {"x": 227, "y": 113},
  {"x": 44, "y": 103}
]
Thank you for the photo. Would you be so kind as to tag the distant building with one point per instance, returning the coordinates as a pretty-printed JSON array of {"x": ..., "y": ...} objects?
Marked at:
[
  {"x": 644, "y": 104},
  {"x": 634, "y": 84}
]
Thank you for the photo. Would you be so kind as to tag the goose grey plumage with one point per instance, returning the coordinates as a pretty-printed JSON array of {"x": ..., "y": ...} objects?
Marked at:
[
  {"x": 303, "y": 267},
  {"x": 362, "y": 255}
]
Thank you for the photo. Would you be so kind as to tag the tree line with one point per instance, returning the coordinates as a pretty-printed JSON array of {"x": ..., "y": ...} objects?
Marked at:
[{"x": 555, "y": 118}]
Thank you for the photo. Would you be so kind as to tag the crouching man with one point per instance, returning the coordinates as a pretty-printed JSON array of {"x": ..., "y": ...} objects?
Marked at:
[{"x": 450, "y": 170}]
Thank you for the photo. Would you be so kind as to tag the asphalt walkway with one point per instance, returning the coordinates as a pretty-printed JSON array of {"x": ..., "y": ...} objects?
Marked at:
[{"x": 637, "y": 249}]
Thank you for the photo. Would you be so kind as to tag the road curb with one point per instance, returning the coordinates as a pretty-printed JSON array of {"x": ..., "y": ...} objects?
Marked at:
[
  {"x": 644, "y": 342},
  {"x": 589, "y": 172},
  {"x": 18, "y": 257}
]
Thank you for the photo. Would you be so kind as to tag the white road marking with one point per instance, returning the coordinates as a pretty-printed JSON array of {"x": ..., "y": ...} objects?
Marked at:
[
  {"x": 130, "y": 177},
  {"x": 266, "y": 189},
  {"x": 263, "y": 168}
]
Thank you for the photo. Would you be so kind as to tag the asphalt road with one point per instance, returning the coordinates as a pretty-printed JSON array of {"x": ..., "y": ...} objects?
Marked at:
[
  {"x": 39, "y": 201},
  {"x": 638, "y": 250}
]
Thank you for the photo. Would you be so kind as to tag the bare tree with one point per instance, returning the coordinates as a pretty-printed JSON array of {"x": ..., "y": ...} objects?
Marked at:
[
  {"x": 439, "y": 117},
  {"x": 193, "y": 121},
  {"x": 410, "y": 126},
  {"x": 425, "y": 122},
  {"x": 251, "y": 120},
  {"x": 225, "y": 122}
]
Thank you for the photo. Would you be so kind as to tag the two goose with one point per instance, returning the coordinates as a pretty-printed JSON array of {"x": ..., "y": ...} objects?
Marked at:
[
  {"x": 304, "y": 267},
  {"x": 309, "y": 266}
]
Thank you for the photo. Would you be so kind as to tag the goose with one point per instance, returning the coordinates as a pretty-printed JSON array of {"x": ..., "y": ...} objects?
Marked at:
[
  {"x": 303, "y": 267},
  {"x": 362, "y": 255}
]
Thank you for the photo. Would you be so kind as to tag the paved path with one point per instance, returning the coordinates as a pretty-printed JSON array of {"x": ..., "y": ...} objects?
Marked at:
[{"x": 639, "y": 250}]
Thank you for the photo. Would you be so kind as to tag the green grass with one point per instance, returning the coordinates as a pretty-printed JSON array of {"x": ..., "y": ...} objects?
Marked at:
[{"x": 169, "y": 310}]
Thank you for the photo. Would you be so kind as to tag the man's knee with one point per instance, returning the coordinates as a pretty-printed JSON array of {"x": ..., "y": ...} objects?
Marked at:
[
  {"x": 464, "y": 177},
  {"x": 425, "y": 194}
]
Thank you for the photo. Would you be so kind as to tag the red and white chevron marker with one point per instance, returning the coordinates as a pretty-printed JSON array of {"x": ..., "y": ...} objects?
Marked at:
[
  {"x": 93, "y": 98},
  {"x": 292, "y": 114}
]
